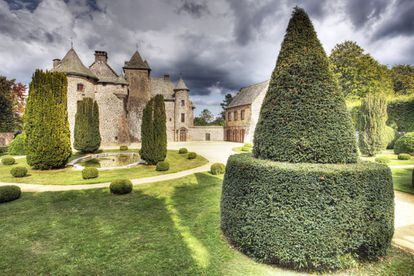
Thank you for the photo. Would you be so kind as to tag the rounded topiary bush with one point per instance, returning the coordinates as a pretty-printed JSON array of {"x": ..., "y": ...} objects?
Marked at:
[
  {"x": 123, "y": 148},
  {"x": 192, "y": 155},
  {"x": 405, "y": 144},
  {"x": 17, "y": 146},
  {"x": 383, "y": 160},
  {"x": 8, "y": 161},
  {"x": 9, "y": 193},
  {"x": 121, "y": 186},
  {"x": 19, "y": 171},
  {"x": 162, "y": 166},
  {"x": 217, "y": 168},
  {"x": 183, "y": 151},
  {"x": 89, "y": 173},
  {"x": 307, "y": 215},
  {"x": 404, "y": 156}
]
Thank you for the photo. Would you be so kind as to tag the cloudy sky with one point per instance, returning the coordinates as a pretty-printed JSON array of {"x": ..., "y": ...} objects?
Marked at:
[{"x": 218, "y": 46}]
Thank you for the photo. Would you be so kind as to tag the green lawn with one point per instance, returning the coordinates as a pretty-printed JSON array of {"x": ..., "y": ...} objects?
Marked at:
[
  {"x": 69, "y": 176},
  {"x": 402, "y": 180},
  {"x": 393, "y": 158},
  {"x": 166, "y": 228}
]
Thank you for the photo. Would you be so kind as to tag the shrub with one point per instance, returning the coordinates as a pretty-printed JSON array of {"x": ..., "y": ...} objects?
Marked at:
[
  {"x": 248, "y": 145},
  {"x": 120, "y": 186},
  {"x": 18, "y": 171},
  {"x": 401, "y": 112},
  {"x": 307, "y": 215},
  {"x": 183, "y": 151},
  {"x": 123, "y": 148},
  {"x": 192, "y": 155},
  {"x": 9, "y": 193},
  {"x": 390, "y": 136},
  {"x": 405, "y": 144},
  {"x": 304, "y": 117},
  {"x": 160, "y": 128},
  {"x": 3, "y": 150},
  {"x": 383, "y": 160},
  {"x": 217, "y": 168},
  {"x": 89, "y": 173},
  {"x": 46, "y": 121},
  {"x": 87, "y": 137},
  {"x": 17, "y": 146},
  {"x": 8, "y": 161},
  {"x": 162, "y": 166},
  {"x": 404, "y": 156},
  {"x": 246, "y": 149}
]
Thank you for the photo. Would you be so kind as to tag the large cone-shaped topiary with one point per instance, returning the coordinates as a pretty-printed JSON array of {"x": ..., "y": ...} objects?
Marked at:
[
  {"x": 304, "y": 116},
  {"x": 303, "y": 200}
]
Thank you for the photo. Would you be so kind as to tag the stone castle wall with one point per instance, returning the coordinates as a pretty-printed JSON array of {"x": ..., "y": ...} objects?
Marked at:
[
  {"x": 202, "y": 133},
  {"x": 255, "y": 113},
  {"x": 169, "y": 112}
]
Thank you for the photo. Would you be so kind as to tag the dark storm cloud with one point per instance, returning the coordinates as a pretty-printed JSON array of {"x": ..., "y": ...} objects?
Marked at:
[
  {"x": 193, "y": 8},
  {"x": 23, "y": 4},
  {"x": 363, "y": 11}
]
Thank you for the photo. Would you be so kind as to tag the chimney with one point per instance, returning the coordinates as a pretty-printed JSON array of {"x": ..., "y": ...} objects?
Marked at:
[
  {"x": 166, "y": 77},
  {"x": 56, "y": 62},
  {"x": 101, "y": 56}
]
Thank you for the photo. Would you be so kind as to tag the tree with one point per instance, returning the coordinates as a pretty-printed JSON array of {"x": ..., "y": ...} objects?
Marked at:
[
  {"x": 87, "y": 138},
  {"x": 6, "y": 106},
  {"x": 304, "y": 117},
  {"x": 372, "y": 124},
  {"x": 403, "y": 79},
  {"x": 46, "y": 121},
  {"x": 358, "y": 73},
  {"x": 160, "y": 129},
  {"x": 18, "y": 91},
  {"x": 226, "y": 102},
  {"x": 147, "y": 134},
  {"x": 205, "y": 118}
]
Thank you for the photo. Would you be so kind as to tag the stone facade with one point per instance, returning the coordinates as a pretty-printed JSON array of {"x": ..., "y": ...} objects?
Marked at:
[
  {"x": 122, "y": 98},
  {"x": 206, "y": 133},
  {"x": 6, "y": 138},
  {"x": 243, "y": 113}
]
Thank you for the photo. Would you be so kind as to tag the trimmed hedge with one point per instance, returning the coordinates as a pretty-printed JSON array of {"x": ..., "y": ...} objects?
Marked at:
[
  {"x": 17, "y": 146},
  {"x": 3, "y": 150},
  {"x": 121, "y": 186},
  {"x": 89, "y": 173},
  {"x": 183, "y": 151},
  {"x": 404, "y": 156},
  {"x": 8, "y": 161},
  {"x": 307, "y": 216},
  {"x": 401, "y": 112},
  {"x": 19, "y": 171},
  {"x": 162, "y": 166},
  {"x": 192, "y": 155},
  {"x": 123, "y": 148},
  {"x": 217, "y": 168},
  {"x": 9, "y": 193},
  {"x": 87, "y": 137},
  {"x": 405, "y": 144}
]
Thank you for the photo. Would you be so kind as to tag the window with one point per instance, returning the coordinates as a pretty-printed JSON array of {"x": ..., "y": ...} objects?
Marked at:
[
  {"x": 182, "y": 118},
  {"x": 235, "y": 116},
  {"x": 80, "y": 87},
  {"x": 229, "y": 116},
  {"x": 182, "y": 103},
  {"x": 242, "y": 115}
]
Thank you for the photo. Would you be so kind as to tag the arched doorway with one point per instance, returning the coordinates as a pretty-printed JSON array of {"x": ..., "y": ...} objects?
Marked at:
[{"x": 183, "y": 135}]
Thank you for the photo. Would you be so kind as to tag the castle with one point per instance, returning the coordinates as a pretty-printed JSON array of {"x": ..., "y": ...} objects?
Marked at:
[{"x": 122, "y": 97}]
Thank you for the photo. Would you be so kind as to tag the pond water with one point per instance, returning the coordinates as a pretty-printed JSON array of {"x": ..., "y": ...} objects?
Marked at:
[{"x": 111, "y": 161}]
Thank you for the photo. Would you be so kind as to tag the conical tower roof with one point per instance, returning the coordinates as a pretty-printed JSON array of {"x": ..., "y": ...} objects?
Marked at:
[
  {"x": 181, "y": 85},
  {"x": 304, "y": 118},
  {"x": 71, "y": 64},
  {"x": 136, "y": 62}
]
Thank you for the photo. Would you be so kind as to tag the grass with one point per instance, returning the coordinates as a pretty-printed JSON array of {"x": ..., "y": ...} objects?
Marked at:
[
  {"x": 166, "y": 228},
  {"x": 69, "y": 176},
  {"x": 402, "y": 180},
  {"x": 393, "y": 158}
]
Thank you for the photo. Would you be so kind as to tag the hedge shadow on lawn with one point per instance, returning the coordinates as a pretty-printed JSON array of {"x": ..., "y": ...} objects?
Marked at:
[{"x": 91, "y": 232}]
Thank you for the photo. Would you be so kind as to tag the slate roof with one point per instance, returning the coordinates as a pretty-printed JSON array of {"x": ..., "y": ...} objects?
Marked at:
[
  {"x": 71, "y": 64},
  {"x": 248, "y": 94},
  {"x": 181, "y": 85},
  {"x": 106, "y": 74},
  {"x": 136, "y": 62},
  {"x": 163, "y": 87}
]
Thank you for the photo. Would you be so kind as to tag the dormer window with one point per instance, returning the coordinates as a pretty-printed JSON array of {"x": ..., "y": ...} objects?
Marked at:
[
  {"x": 80, "y": 87},
  {"x": 182, "y": 103}
]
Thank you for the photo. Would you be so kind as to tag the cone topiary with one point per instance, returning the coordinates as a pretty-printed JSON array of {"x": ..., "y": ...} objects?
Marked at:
[
  {"x": 87, "y": 137},
  {"x": 302, "y": 199},
  {"x": 304, "y": 117}
]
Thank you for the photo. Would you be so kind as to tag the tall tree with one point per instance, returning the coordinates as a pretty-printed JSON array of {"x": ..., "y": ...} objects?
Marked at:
[
  {"x": 160, "y": 129},
  {"x": 302, "y": 87},
  {"x": 147, "y": 134},
  {"x": 358, "y": 73},
  {"x": 227, "y": 100},
  {"x": 46, "y": 121},
  {"x": 18, "y": 91},
  {"x": 87, "y": 138},
  {"x": 372, "y": 124},
  {"x": 403, "y": 79},
  {"x": 6, "y": 105},
  {"x": 205, "y": 118}
]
